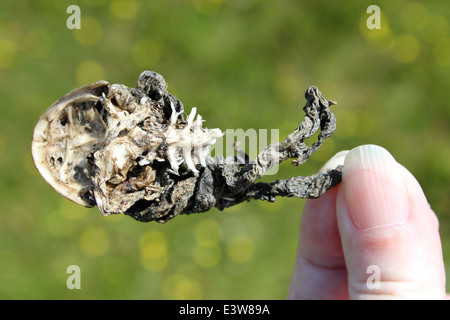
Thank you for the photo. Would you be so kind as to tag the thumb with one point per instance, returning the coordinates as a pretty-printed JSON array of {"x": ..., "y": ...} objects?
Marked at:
[{"x": 389, "y": 233}]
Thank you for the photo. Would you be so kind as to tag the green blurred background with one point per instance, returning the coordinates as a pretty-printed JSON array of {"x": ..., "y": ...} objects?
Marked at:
[{"x": 243, "y": 64}]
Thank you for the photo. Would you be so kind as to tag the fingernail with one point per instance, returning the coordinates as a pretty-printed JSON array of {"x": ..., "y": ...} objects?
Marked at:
[
  {"x": 373, "y": 188},
  {"x": 336, "y": 160}
]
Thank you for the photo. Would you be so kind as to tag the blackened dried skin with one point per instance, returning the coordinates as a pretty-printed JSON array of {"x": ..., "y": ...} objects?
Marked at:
[
  {"x": 224, "y": 185},
  {"x": 234, "y": 184},
  {"x": 301, "y": 187}
]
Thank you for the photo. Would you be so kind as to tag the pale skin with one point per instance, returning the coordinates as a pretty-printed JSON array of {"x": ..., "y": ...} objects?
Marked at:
[{"x": 372, "y": 237}]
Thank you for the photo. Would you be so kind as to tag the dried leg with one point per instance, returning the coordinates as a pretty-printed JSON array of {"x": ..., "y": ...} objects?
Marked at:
[
  {"x": 318, "y": 115},
  {"x": 226, "y": 184},
  {"x": 300, "y": 187}
]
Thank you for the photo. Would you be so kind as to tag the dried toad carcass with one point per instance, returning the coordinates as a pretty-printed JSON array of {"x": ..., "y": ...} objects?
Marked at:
[{"x": 131, "y": 150}]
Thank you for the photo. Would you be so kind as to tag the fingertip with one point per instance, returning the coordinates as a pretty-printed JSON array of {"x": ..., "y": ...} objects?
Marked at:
[{"x": 384, "y": 221}]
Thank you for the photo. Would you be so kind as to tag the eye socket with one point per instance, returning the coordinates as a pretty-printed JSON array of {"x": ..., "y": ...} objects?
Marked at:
[
  {"x": 114, "y": 101},
  {"x": 64, "y": 119},
  {"x": 99, "y": 106}
]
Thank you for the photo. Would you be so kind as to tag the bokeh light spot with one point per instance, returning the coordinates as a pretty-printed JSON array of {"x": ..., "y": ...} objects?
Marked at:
[
  {"x": 406, "y": 48},
  {"x": 154, "y": 250},
  {"x": 90, "y": 33},
  {"x": 146, "y": 53},
  {"x": 240, "y": 248},
  {"x": 124, "y": 10},
  {"x": 230, "y": 227},
  {"x": 442, "y": 52},
  {"x": 179, "y": 287},
  {"x": 89, "y": 71},
  {"x": 72, "y": 211},
  {"x": 94, "y": 3},
  {"x": 207, "y": 232},
  {"x": 94, "y": 241},
  {"x": 7, "y": 52},
  {"x": 413, "y": 16},
  {"x": 207, "y": 6},
  {"x": 207, "y": 256},
  {"x": 435, "y": 28}
]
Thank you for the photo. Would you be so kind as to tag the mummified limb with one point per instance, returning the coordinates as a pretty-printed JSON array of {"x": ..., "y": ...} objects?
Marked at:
[
  {"x": 318, "y": 115},
  {"x": 235, "y": 182},
  {"x": 300, "y": 187}
]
